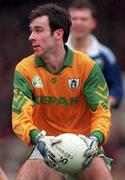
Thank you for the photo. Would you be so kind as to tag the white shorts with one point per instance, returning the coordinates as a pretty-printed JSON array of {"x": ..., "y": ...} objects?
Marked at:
[{"x": 35, "y": 154}]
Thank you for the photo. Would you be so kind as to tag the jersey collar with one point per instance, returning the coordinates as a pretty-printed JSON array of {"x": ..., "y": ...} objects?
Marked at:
[{"x": 67, "y": 62}]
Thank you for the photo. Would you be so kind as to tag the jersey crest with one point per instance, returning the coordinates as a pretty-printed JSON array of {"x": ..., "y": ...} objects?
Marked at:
[
  {"x": 73, "y": 83},
  {"x": 37, "y": 82}
]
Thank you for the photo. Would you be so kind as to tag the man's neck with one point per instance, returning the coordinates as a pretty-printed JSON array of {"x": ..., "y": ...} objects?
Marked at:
[
  {"x": 81, "y": 44},
  {"x": 54, "y": 61}
]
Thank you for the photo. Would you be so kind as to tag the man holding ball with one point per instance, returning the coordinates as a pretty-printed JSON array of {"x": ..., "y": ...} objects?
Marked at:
[{"x": 56, "y": 91}]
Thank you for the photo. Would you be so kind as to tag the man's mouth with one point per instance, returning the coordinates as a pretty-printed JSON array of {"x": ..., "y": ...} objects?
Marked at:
[{"x": 36, "y": 47}]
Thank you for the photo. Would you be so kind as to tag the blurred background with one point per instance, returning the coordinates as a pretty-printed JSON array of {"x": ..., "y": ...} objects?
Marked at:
[{"x": 14, "y": 46}]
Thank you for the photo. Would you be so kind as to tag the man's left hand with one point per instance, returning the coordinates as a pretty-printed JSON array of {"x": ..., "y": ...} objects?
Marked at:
[{"x": 92, "y": 144}]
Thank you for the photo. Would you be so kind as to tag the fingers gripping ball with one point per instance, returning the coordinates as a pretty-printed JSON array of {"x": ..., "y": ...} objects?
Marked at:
[
  {"x": 44, "y": 145},
  {"x": 71, "y": 151}
]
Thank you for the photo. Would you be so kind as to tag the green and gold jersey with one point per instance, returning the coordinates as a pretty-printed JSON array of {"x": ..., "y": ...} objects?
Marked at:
[{"x": 74, "y": 99}]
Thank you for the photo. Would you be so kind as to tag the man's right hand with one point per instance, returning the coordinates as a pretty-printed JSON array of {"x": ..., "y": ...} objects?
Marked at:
[{"x": 44, "y": 145}]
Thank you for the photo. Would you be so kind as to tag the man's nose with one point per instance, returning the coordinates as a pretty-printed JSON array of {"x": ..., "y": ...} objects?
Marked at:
[{"x": 31, "y": 37}]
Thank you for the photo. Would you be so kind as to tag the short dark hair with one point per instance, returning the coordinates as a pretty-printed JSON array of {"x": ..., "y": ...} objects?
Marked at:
[
  {"x": 58, "y": 18},
  {"x": 84, "y": 4}
]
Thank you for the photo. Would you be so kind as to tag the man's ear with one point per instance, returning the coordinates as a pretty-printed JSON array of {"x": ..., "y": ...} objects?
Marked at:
[{"x": 58, "y": 34}]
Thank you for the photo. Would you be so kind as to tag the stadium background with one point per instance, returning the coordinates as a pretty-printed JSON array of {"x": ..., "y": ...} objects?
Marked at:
[{"x": 14, "y": 46}]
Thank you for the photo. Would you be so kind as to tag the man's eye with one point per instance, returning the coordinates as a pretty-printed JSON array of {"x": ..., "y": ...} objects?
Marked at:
[{"x": 38, "y": 30}]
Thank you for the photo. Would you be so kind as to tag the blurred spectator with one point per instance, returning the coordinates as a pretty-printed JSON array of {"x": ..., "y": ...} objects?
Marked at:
[
  {"x": 83, "y": 17},
  {"x": 2, "y": 175}
]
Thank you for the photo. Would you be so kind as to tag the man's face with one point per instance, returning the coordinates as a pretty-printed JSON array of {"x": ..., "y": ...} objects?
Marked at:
[
  {"x": 82, "y": 22},
  {"x": 41, "y": 37}
]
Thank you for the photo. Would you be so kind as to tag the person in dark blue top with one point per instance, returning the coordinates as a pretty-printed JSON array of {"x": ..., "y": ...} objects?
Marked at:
[{"x": 83, "y": 18}]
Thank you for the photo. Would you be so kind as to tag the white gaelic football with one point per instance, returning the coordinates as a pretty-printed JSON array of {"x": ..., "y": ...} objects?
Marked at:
[{"x": 71, "y": 152}]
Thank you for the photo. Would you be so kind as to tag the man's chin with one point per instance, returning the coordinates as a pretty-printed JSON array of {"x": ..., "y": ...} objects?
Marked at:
[{"x": 37, "y": 53}]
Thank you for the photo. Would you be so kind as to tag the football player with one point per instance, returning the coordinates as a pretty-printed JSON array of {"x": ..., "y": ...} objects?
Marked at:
[{"x": 60, "y": 91}]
